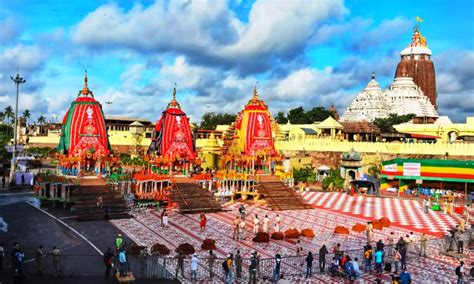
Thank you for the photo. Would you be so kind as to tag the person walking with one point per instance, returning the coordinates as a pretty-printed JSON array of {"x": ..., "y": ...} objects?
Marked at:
[
  {"x": 299, "y": 248},
  {"x": 276, "y": 270},
  {"x": 202, "y": 222},
  {"x": 2, "y": 254},
  {"x": 210, "y": 263},
  {"x": 122, "y": 262},
  {"x": 194, "y": 267},
  {"x": 228, "y": 268},
  {"x": 391, "y": 243},
  {"x": 459, "y": 271},
  {"x": 15, "y": 249},
  {"x": 235, "y": 235},
  {"x": 368, "y": 255},
  {"x": 242, "y": 229},
  {"x": 378, "y": 260},
  {"x": 423, "y": 245},
  {"x": 426, "y": 205},
  {"x": 265, "y": 224},
  {"x": 323, "y": 251},
  {"x": 461, "y": 239},
  {"x": 253, "y": 269},
  {"x": 396, "y": 260},
  {"x": 356, "y": 269},
  {"x": 108, "y": 260},
  {"x": 165, "y": 219},
  {"x": 118, "y": 243},
  {"x": 405, "y": 277},
  {"x": 256, "y": 223},
  {"x": 242, "y": 211},
  {"x": 309, "y": 265},
  {"x": 403, "y": 260},
  {"x": 238, "y": 264},
  {"x": 369, "y": 231},
  {"x": 180, "y": 264},
  {"x": 3, "y": 181},
  {"x": 277, "y": 223},
  {"x": 19, "y": 259},
  {"x": 56, "y": 254},
  {"x": 38, "y": 258}
]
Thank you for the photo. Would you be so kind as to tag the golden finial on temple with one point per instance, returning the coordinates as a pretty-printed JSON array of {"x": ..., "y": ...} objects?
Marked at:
[
  {"x": 85, "y": 90},
  {"x": 255, "y": 94},
  {"x": 174, "y": 91}
]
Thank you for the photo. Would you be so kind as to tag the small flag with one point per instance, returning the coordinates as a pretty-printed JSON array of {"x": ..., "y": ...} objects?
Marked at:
[{"x": 419, "y": 20}]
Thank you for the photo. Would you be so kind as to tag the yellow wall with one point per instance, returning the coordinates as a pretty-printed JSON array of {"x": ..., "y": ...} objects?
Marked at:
[{"x": 331, "y": 145}]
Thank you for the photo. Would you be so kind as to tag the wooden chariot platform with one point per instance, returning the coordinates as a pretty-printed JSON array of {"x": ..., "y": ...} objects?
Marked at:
[{"x": 278, "y": 196}]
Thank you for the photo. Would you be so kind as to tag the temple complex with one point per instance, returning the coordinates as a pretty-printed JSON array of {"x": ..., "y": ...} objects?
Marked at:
[
  {"x": 368, "y": 104},
  {"x": 416, "y": 63},
  {"x": 249, "y": 139},
  {"x": 405, "y": 97},
  {"x": 83, "y": 133},
  {"x": 172, "y": 139}
]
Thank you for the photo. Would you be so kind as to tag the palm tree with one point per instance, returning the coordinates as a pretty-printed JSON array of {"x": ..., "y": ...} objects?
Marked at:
[
  {"x": 26, "y": 116},
  {"x": 41, "y": 120},
  {"x": 8, "y": 114}
]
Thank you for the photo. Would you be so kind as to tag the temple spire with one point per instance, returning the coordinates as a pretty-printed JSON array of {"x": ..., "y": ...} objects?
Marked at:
[
  {"x": 174, "y": 103},
  {"x": 255, "y": 93},
  {"x": 373, "y": 76},
  {"x": 85, "y": 90}
]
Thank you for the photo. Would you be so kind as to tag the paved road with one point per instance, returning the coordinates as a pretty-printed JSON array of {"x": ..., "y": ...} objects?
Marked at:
[{"x": 21, "y": 221}]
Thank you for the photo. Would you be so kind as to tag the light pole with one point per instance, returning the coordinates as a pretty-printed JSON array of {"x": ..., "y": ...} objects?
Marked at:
[{"x": 18, "y": 80}]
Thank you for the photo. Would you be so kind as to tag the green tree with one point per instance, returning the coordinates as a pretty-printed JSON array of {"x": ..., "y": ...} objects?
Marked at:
[
  {"x": 306, "y": 174},
  {"x": 281, "y": 118},
  {"x": 9, "y": 115},
  {"x": 317, "y": 114},
  {"x": 26, "y": 115},
  {"x": 386, "y": 124},
  {"x": 297, "y": 116},
  {"x": 41, "y": 120},
  {"x": 333, "y": 181},
  {"x": 210, "y": 120}
]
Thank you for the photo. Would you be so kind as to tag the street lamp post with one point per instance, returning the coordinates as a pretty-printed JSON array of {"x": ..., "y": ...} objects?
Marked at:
[{"x": 18, "y": 80}]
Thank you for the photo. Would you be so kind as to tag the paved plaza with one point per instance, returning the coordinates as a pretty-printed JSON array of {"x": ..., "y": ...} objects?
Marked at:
[{"x": 145, "y": 229}]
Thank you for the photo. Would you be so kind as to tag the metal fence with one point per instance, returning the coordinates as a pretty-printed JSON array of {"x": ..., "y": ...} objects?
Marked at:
[{"x": 157, "y": 267}]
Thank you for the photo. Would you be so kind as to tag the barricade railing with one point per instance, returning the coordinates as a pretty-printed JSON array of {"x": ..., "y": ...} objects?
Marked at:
[{"x": 159, "y": 267}]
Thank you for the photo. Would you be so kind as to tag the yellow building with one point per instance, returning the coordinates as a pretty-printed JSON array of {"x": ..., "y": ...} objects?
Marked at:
[{"x": 443, "y": 130}]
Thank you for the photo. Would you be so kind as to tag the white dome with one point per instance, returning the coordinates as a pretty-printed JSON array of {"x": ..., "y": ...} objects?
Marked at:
[
  {"x": 407, "y": 98},
  {"x": 368, "y": 104},
  {"x": 416, "y": 50}
]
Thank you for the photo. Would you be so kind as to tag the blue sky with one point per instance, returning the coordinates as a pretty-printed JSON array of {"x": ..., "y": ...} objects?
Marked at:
[{"x": 302, "y": 53}]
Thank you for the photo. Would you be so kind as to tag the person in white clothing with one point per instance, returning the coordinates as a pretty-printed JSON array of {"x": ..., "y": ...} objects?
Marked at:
[
  {"x": 277, "y": 223},
  {"x": 265, "y": 224},
  {"x": 242, "y": 229},
  {"x": 256, "y": 223},
  {"x": 165, "y": 220}
]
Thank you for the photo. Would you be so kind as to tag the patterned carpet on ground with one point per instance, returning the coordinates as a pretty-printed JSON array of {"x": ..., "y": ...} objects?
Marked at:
[{"x": 145, "y": 229}]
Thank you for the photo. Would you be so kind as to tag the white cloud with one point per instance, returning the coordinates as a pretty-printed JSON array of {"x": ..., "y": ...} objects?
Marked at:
[
  {"x": 208, "y": 32},
  {"x": 309, "y": 82},
  {"x": 21, "y": 57}
]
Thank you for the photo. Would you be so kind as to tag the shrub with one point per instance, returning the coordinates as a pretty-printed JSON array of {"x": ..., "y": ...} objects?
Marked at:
[
  {"x": 307, "y": 233},
  {"x": 135, "y": 249},
  {"x": 185, "y": 249},
  {"x": 208, "y": 244},
  {"x": 359, "y": 227},
  {"x": 278, "y": 236},
  {"x": 292, "y": 234},
  {"x": 341, "y": 230},
  {"x": 160, "y": 249},
  {"x": 261, "y": 237}
]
